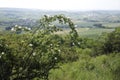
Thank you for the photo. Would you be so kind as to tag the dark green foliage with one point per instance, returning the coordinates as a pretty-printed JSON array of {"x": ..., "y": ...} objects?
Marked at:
[
  {"x": 112, "y": 43},
  {"x": 107, "y": 43},
  {"x": 98, "y": 25},
  {"x": 5, "y": 60},
  {"x": 33, "y": 54}
]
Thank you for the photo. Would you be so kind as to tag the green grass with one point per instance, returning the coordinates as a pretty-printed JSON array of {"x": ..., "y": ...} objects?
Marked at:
[
  {"x": 112, "y": 25},
  {"x": 87, "y": 68},
  {"x": 92, "y": 32},
  {"x": 2, "y": 28},
  {"x": 87, "y": 32}
]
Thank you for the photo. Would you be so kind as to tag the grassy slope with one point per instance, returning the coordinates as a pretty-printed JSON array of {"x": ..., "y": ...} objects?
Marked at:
[
  {"x": 93, "y": 32},
  {"x": 88, "y": 68},
  {"x": 88, "y": 32}
]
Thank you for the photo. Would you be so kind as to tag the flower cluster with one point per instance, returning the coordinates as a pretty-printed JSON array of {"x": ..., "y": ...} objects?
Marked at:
[{"x": 20, "y": 28}]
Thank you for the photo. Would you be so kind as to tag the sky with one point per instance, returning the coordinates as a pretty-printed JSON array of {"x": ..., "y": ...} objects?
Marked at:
[{"x": 74, "y": 5}]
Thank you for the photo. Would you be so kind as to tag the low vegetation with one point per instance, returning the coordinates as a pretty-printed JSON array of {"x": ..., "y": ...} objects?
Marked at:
[{"x": 43, "y": 54}]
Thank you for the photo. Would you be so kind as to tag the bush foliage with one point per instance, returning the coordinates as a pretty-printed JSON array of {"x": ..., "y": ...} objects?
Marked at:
[
  {"x": 33, "y": 54},
  {"x": 27, "y": 54}
]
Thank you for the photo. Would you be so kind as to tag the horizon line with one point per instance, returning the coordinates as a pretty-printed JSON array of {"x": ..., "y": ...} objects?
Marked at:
[{"x": 59, "y": 10}]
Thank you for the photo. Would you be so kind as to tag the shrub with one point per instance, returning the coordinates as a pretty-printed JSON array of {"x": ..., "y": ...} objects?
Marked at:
[
  {"x": 112, "y": 43},
  {"x": 32, "y": 55}
]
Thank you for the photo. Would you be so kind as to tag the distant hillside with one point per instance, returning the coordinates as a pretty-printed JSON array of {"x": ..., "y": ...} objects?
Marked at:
[{"x": 28, "y": 17}]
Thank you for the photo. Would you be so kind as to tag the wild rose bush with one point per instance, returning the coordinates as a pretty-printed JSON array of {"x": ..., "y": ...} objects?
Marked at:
[{"x": 33, "y": 54}]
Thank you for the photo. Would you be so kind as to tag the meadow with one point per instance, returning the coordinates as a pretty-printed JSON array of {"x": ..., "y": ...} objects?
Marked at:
[{"x": 92, "y": 33}]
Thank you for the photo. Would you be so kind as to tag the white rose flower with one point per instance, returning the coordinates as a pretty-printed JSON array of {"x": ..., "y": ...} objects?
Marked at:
[
  {"x": 31, "y": 45},
  {"x": 13, "y": 29},
  {"x": 75, "y": 25},
  {"x": 19, "y": 27},
  {"x": 3, "y": 53},
  {"x": 55, "y": 58},
  {"x": 34, "y": 54},
  {"x": 29, "y": 29},
  {"x": 59, "y": 50},
  {"x": 16, "y": 25},
  {"x": 78, "y": 42}
]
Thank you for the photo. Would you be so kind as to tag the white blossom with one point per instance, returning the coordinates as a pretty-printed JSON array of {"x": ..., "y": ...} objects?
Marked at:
[
  {"x": 0, "y": 56},
  {"x": 29, "y": 29},
  {"x": 68, "y": 17},
  {"x": 59, "y": 50},
  {"x": 30, "y": 45},
  {"x": 19, "y": 27},
  {"x": 50, "y": 25},
  {"x": 55, "y": 58},
  {"x": 75, "y": 25},
  {"x": 3, "y": 53},
  {"x": 34, "y": 53},
  {"x": 13, "y": 29},
  {"x": 78, "y": 42},
  {"x": 16, "y": 25},
  {"x": 73, "y": 43},
  {"x": 51, "y": 44}
]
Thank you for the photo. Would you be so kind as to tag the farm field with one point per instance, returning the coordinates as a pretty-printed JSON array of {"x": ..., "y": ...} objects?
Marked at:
[
  {"x": 87, "y": 32},
  {"x": 92, "y": 32}
]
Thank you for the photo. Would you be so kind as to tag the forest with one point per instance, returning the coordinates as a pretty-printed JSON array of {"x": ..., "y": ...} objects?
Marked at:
[{"x": 56, "y": 47}]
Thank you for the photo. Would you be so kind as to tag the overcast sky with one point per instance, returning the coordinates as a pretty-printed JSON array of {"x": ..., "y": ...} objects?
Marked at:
[{"x": 63, "y": 4}]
